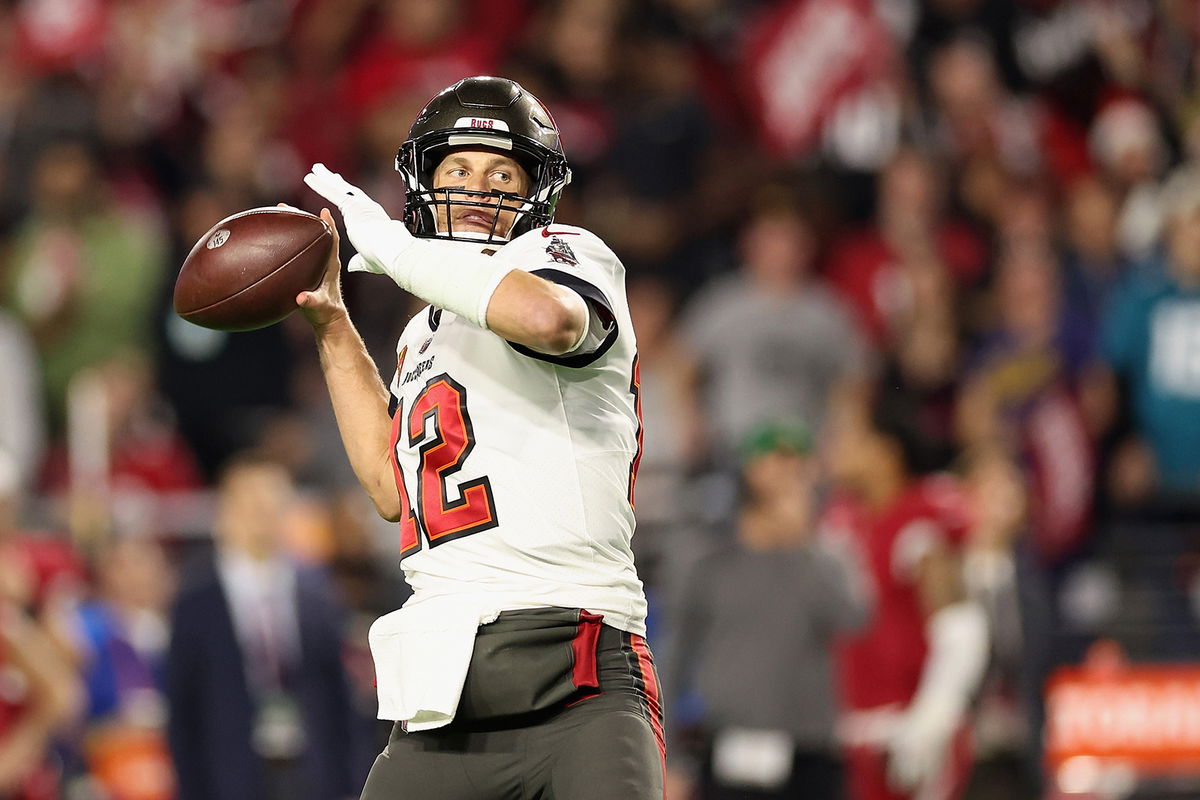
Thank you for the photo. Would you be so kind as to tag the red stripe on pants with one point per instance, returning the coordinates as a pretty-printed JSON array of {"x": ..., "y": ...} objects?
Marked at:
[{"x": 653, "y": 694}]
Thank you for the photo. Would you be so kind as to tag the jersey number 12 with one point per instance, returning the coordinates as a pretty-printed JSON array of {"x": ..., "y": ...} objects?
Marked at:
[{"x": 442, "y": 405}]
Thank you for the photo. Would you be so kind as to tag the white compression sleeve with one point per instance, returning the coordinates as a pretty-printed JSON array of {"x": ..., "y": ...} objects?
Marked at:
[
  {"x": 454, "y": 278},
  {"x": 461, "y": 281},
  {"x": 955, "y": 663},
  {"x": 954, "y": 666}
]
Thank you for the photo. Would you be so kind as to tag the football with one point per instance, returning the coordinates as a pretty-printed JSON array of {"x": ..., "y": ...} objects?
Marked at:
[{"x": 246, "y": 271}]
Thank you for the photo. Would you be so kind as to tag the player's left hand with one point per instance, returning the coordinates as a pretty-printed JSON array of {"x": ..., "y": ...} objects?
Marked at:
[
  {"x": 378, "y": 238},
  {"x": 324, "y": 304}
]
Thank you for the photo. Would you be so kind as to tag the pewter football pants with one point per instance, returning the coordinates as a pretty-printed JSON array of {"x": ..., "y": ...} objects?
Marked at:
[{"x": 605, "y": 747}]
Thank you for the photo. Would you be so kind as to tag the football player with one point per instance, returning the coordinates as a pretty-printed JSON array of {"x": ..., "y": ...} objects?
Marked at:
[
  {"x": 506, "y": 448},
  {"x": 911, "y": 675}
]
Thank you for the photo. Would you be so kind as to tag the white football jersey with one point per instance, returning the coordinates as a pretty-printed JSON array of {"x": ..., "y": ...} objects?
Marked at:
[{"x": 516, "y": 468}]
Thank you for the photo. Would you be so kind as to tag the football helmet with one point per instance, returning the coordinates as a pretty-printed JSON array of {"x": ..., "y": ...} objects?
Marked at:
[{"x": 482, "y": 111}]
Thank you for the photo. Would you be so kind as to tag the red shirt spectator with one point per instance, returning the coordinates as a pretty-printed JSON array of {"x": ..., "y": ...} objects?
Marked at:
[
  {"x": 909, "y": 676},
  {"x": 870, "y": 266},
  {"x": 882, "y": 665},
  {"x": 867, "y": 269},
  {"x": 31, "y": 704}
]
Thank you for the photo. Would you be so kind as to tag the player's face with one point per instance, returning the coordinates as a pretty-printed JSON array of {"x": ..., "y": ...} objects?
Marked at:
[{"x": 477, "y": 171}]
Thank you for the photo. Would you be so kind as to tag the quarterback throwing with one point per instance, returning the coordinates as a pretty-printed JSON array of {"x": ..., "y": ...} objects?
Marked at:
[{"x": 506, "y": 448}]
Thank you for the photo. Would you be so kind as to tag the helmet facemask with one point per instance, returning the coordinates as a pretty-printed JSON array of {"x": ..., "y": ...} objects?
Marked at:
[
  {"x": 487, "y": 113},
  {"x": 548, "y": 175}
]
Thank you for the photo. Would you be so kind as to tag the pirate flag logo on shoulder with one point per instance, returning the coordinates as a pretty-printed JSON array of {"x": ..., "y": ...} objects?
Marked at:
[{"x": 561, "y": 252}]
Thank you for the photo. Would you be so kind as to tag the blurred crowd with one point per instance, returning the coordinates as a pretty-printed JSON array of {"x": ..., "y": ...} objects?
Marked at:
[{"x": 982, "y": 216}]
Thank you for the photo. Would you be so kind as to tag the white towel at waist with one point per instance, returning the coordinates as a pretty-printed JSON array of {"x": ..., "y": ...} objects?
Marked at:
[{"x": 421, "y": 655}]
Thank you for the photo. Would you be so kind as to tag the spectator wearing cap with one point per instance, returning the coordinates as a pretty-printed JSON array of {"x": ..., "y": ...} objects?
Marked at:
[
  {"x": 1152, "y": 343},
  {"x": 753, "y": 632}
]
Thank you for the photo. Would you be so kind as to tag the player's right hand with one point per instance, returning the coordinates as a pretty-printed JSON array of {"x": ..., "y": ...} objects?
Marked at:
[
  {"x": 325, "y": 304},
  {"x": 378, "y": 238}
]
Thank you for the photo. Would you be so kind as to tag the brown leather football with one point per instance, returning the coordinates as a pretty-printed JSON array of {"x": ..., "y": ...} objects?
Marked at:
[{"x": 246, "y": 271}]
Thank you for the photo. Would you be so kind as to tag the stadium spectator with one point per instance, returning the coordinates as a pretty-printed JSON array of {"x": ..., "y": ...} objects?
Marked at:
[
  {"x": 922, "y": 362},
  {"x": 38, "y": 693},
  {"x": 772, "y": 340},
  {"x": 84, "y": 271},
  {"x": 145, "y": 452},
  {"x": 1001, "y": 573},
  {"x": 415, "y": 47},
  {"x": 1127, "y": 145},
  {"x": 909, "y": 678},
  {"x": 124, "y": 629},
  {"x": 122, "y": 643},
  {"x": 874, "y": 267},
  {"x": 43, "y": 575},
  {"x": 1025, "y": 388},
  {"x": 256, "y": 689},
  {"x": 650, "y": 205},
  {"x": 1149, "y": 341},
  {"x": 753, "y": 636},
  {"x": 975, "y": 120},
  {"x": 38, "y": 698},
  {"x": 1093, "y": 264}
]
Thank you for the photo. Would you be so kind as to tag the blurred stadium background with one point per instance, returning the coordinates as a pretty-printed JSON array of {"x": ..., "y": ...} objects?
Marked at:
[{"x": 986, "y": 212}]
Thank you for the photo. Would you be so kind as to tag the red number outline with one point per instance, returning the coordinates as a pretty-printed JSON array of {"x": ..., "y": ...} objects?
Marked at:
[
  {"x": 443, "y": 400},
  {"x": 410, "y": 540},
  {"x": 635, "y": 387}
]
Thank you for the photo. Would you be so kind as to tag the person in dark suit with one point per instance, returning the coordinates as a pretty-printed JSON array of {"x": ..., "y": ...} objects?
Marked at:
[{"x": 258, "y": 697}]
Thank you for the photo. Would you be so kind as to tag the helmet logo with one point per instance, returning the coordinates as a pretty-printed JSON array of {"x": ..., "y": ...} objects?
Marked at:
[
  {"x": 217, "y": 239},
  {"x": 481, "y": 123}
]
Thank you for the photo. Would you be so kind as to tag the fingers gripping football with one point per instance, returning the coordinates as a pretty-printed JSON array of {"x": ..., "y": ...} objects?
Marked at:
[{"x": 321, "y": 305}]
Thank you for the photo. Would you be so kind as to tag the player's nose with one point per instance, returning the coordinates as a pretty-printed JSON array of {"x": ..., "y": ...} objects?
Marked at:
[{"x": 477, "y": 184}]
